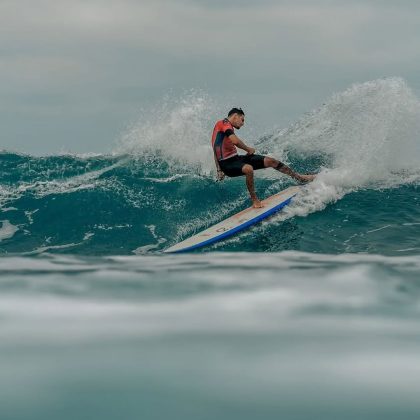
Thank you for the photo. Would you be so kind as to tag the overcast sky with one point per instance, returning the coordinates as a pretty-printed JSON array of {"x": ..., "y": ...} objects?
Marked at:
[{"x": 74, "y": 74}]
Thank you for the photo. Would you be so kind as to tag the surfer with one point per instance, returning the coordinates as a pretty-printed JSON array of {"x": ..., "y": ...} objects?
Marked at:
[{"x": 228, "y": 162}]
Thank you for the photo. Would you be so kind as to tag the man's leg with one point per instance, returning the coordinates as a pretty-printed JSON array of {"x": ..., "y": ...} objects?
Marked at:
[
  {"x": 281, "y": 167},
  {"x": 248, "y": 170},
  {"x": 270, "y": 162}
]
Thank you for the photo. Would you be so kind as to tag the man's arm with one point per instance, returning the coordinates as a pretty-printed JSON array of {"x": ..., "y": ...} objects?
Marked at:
[{"x": 239, "y": 143}]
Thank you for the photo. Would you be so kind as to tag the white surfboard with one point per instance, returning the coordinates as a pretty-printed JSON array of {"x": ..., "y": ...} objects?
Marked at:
[{"x": 237, "y": 222}]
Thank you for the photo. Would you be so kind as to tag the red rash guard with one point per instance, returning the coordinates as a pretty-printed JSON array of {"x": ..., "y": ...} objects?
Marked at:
[{"x": 222, "y": 146}]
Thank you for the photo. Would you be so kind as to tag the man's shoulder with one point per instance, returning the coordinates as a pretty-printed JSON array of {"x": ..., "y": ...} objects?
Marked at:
[{"x": 225, "y": 124}]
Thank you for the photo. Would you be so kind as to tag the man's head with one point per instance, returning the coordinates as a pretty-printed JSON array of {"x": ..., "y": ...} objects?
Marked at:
[{"x": 236, "y": 117}]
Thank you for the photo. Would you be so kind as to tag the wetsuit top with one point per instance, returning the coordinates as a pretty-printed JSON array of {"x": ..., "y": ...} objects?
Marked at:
[{"x": 222, "y": 146}]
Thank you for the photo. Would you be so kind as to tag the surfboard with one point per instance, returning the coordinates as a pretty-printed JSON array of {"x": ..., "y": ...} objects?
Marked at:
[{"x": 237, "y": 222}]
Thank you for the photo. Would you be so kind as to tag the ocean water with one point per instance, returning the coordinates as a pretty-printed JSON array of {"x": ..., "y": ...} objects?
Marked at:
[{"x": 313, "y": 314}]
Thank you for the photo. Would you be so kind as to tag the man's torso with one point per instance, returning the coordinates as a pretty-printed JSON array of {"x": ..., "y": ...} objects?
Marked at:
[{"x": 222, "y": 145}]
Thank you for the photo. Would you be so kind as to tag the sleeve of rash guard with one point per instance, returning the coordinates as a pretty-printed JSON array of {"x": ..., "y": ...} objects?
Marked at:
[{"x": 228, "y": 130}]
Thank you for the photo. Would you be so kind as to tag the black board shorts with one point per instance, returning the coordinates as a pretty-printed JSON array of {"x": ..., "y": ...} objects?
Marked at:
[{"x": 233, "y": 166}]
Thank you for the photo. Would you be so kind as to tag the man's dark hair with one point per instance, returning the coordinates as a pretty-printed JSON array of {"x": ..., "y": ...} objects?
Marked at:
[{"x": 236, "y": 111}]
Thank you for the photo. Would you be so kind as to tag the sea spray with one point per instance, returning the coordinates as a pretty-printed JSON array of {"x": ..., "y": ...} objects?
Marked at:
[{"x": 176, "y": 131}]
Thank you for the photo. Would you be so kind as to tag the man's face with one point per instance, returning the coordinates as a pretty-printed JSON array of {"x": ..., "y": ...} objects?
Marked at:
[{"x": 238, "y": 121}]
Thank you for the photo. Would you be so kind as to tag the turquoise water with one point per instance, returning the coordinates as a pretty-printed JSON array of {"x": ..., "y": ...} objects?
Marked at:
[{"x": 312, "y": 314}]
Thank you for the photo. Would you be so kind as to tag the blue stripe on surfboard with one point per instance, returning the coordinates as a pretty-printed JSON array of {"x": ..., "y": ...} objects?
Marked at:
[{"x": 237, "y": 229}]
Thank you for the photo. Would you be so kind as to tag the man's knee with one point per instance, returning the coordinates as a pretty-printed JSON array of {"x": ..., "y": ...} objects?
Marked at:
[
  {"x": 270, "y": 162},
  {"x": 247, "y": 169}
]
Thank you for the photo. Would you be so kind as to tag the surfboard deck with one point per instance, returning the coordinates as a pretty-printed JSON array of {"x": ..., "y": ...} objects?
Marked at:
[{"x": 237, "y": 222}]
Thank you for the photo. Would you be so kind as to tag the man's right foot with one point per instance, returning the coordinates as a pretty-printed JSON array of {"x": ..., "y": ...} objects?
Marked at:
[{"x": 257, "y": 204}]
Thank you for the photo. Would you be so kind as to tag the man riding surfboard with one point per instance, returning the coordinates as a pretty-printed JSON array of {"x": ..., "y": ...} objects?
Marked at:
[{"x": 225, "y": 143}]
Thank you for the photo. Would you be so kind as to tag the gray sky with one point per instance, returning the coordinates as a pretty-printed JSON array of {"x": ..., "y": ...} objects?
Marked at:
[{"x": 74, "y": 74}]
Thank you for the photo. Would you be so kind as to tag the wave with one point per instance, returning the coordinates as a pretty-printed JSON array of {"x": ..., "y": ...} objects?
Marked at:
[{"x": 158, "y": 186}]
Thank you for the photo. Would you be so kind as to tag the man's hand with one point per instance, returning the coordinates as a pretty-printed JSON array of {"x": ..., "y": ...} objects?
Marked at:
[
  {"x": 220, "y": 175},
  {"x": 239, "y": 143}
]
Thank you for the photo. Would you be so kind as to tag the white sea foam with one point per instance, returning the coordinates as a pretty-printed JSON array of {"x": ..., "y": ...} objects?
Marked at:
[
  {"x": 88, "y": 180},
  {"x": 146, "y": 248},
  {"x": 7, "y": 230}
]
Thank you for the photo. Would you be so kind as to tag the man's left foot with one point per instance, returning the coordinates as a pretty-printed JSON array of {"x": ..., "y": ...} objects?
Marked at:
[
  {"x": 257, "y": 204},
  {"x": 306, "y": 178}
]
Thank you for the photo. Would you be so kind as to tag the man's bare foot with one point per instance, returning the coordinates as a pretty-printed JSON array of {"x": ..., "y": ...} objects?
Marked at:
[
  {"x": 257, "y": 204},
  {"x": 306, "y": 178}
]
